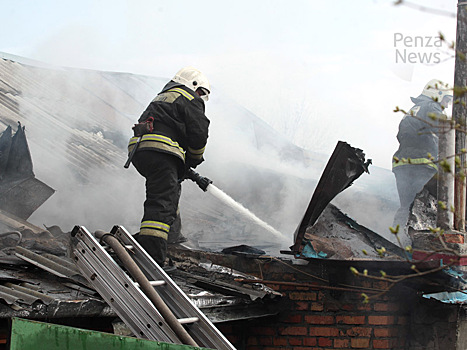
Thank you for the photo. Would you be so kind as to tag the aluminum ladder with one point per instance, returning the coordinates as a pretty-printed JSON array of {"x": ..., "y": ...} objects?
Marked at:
[{"x": 171, "y": 318}]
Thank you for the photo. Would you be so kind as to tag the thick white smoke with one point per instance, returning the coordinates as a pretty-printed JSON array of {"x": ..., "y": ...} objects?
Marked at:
[{"x": 78, "y": 123}]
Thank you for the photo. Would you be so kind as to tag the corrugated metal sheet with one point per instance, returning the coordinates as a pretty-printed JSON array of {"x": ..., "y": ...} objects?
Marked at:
[
  {"x": 35, "y": 293},
  {"x": 76, "y": 106},
  {"x": 56, "y": 289}
]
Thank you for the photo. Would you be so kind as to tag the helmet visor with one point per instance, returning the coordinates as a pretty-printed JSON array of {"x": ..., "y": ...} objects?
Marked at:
[{"x": 203, "y": 93}]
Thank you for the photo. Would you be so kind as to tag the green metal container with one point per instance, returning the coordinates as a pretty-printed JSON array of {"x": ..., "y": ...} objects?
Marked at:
[{"x": 34, "y": 335}]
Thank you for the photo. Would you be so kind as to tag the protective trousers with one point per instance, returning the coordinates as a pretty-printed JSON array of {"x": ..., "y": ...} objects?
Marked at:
[
  {"x": 410, "y": 180},
  {"x": 162, "y": 197}
]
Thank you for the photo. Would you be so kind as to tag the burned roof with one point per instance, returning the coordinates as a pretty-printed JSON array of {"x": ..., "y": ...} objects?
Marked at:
[
  {"x": 79, "y": 122},
  {"x": 47, "y": 286}
]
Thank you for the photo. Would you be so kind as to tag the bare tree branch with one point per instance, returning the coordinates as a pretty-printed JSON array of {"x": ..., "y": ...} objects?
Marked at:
[{"x": 425, "y": 9}]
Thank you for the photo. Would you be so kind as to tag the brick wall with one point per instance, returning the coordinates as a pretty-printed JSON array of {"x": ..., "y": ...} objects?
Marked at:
[
  {"x": 327, "y": 319},
  {"x": 310, "y": 318}
]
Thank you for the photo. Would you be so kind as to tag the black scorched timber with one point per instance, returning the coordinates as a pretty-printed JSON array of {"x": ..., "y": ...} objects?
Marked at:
[
  {"x": 345, "y": 166},
  {"x": 20, "y": 192}
]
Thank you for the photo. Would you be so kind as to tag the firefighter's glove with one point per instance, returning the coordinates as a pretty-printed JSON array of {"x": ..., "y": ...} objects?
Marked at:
[{"x": 193, "y": 163}]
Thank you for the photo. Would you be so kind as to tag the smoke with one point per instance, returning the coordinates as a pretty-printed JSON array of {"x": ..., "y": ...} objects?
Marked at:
[{"x": 78, "y": 123}]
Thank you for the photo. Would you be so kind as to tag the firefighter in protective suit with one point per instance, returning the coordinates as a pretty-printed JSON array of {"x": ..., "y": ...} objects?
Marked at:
[
  {"x": 414, "y": 162},
  {"x": 174, "y": 136}
]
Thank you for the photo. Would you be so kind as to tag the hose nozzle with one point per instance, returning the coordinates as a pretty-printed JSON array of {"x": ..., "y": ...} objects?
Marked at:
[{"x": 201, "y": 181}]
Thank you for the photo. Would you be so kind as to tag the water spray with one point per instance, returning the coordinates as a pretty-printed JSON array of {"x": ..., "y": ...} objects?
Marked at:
[{"x": 206, "y": 185}]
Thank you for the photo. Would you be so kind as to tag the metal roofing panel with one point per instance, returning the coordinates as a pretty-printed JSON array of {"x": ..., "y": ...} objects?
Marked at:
[
  {"x": 32, "y": 292},
  {"x": 20, "y": 296},
  {"x": 44, "y": 263}
]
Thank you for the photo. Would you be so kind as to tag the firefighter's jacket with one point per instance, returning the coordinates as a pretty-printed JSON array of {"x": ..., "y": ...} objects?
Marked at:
[
  {"x": 180, "y": 125},
  {"x": 417, "y": 134}
]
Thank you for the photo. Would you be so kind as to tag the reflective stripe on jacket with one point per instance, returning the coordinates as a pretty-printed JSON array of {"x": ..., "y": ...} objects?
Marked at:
[
  {"x": 416, "y": 161},
  {"x": 180, "y": 125},
  {"x": 158, "y": 143}
]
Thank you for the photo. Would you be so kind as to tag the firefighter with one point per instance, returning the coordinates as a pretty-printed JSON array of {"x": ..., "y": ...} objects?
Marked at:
[
  {"x": 414, "y": 163},
  {"x": 172, "y": 134}
]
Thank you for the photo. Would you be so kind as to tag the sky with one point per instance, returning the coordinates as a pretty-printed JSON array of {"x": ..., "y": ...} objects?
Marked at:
[{"x": 317, "y": 71}]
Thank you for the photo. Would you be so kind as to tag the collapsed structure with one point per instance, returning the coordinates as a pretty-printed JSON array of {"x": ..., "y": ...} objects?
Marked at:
[{"x": 312, "y": 302}]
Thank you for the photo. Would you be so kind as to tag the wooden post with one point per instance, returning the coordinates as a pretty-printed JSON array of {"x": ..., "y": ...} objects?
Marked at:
[
  {"x": 445, "y": 217},
  {"x": 459, "y": 114}
]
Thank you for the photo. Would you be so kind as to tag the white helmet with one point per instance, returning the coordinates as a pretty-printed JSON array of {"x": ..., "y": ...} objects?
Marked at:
[
  {"x": 437, "y": 90},
  {"x": 193, "y": 79}
]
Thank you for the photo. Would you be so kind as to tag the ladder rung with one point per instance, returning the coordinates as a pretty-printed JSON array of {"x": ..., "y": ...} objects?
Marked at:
[
  {"x": 136, "y": 308},
  {"x": 188, "y": 320},
  {"x": 153, "y": 283}
]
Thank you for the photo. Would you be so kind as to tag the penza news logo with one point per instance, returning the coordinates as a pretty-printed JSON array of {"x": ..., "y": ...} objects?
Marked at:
[{"x": 417, "y": 49}]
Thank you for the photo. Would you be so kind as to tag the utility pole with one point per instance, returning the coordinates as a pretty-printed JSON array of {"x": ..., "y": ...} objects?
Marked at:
[
  {"x": 446, "y": 134},
  {"x": 459, "y": 114}
]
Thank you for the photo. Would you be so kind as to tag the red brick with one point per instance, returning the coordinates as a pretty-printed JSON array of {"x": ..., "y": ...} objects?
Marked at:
[
  {"x": 280, "y": 341},
  {"x": 288, "y": 277},
  {"x": 350, "y": 319},
  {"x": 302, "y": 305},
  {"x": 381, "y": 320},
  {"x": 453, "y": 238},
  {"x": 385, "y": 332},
  {"x": 360, "y": 343},
  {"x": 324, "y": 342},
  {"x": 297, "y": 318},
  {"x": 324, "y": 331},
  {"x": 317, "y": 306},
  {"x": 385, "y": 307},
  {"x": 293, "y": 331},
  {"x": 319, "y": 319},
  {"x": 363, "y": 307},
  {"x": 310, "y": 341},
  {"x": 380, "y": 307},
  {"x": 384, "y": 343},
  {"x": 359, "y": 332},
  {"x": 265, "y": 341},
  {"x": 302, "y": 296},
  {"x": 295, "y": 341},
  {"x": 347, "y": 307},
  {"x": 341, "y": 343},
  {"x": 263, "y": 331}
]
